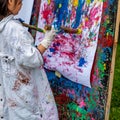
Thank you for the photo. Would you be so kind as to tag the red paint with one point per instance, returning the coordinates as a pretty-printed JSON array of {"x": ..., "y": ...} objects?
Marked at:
[
  {"x": 105, "y": 5},
  {"x": 47, "y": 13},
  {"x": 62, "y": 99},
  {"x": 108, "y": 41}
]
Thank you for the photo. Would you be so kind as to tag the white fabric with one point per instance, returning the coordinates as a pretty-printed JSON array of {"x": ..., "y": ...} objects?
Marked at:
[{"x": 24, "y": 86}]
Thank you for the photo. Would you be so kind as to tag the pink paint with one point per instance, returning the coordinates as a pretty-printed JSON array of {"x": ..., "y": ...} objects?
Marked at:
[
  {"x": 47, "y": 13},
  {"x": 70, "y": 92},
  {"x": 82, "y": 104},
  {"x": 92, "y": 118}
]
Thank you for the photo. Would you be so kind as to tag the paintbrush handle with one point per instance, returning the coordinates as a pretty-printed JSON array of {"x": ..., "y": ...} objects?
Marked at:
[
  {"x": 48, "y": 27},
  {"x": 33, "y": 27},
  {"x": 66, "y": 29},
  {"x": 69, "y": 30}
]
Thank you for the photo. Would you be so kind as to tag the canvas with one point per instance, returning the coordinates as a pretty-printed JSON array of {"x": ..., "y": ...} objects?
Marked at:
[
  {"x": 72, "y": 55},
  {"x": 75, "y": 101}
]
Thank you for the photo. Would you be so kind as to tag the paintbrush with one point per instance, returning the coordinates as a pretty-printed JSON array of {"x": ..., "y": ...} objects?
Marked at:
[
  {"x": 66, "y": 29},
  {"x": 70, "y": 30},
  {"x": 48, "y": 27},
  {"x": 33, "y": 27}
]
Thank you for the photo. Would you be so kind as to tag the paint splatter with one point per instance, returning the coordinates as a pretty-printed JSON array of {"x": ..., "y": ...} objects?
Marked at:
[
  {"x": 72, "y": 52},
  {"x": 69, "y": 94}
]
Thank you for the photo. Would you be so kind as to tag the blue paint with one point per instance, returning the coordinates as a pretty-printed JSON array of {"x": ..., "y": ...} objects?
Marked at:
[
  {"x": 60, "y": 13},
  {"x": 78, "y": 14},
  {"x": 82, "y": 62},
  {"x": 111, "y": 2},
  {"x": 52, "y": 50},
  {"x": 49, "y": 56},
  {"x": 56, "y": 44},
  {"x": 65, "y": 84},
  {"x": 106, "y": 53},
  {"x": 71, "y": 96},
  {"x": 50, "y": 75}
]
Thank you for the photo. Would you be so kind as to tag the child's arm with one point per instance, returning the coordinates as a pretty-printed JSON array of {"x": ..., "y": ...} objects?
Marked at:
[
  {"x": 41, "y": 48},
  {"x": 25, "y": 53}
]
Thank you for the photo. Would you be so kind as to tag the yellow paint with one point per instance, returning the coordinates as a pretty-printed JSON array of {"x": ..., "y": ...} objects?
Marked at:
[
  {"x": 96, "y": 1},
  {"x": 75, "y": 3},
  {"x": 60, "y": 5},
  {"x": 49, "y": 1},
  {"x": 79, "y": 31},
  {"x": 57, "y": 74},
  {"x": 88, "y": 2},
  {"x": 104, "y": 66},
  {"x": 107, "y": 34},
  {"x": 86, "y": 19}
]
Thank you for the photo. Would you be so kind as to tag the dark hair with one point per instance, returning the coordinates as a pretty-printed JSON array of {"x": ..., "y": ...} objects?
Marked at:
[{"x": 3, "y": 7}]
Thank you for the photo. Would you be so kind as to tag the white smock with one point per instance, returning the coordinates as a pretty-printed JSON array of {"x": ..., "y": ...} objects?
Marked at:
[{"x": 25, "y": 92}]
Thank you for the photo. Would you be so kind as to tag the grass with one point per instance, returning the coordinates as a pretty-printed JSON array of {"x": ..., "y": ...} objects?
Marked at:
[{"x": 115, "y": 102}]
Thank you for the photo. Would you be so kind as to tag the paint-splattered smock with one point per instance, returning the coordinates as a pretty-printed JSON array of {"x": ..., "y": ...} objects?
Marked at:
[{"x": 25, "y": 93}]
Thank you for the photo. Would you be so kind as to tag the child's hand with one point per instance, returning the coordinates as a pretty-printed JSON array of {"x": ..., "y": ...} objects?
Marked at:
[{"x": 49, "y": 36}]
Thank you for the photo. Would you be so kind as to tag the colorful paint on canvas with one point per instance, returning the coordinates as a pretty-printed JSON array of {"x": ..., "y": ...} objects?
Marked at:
[
  {"x": 75, "y": 101},
  {"x": 72, "y": 55}
]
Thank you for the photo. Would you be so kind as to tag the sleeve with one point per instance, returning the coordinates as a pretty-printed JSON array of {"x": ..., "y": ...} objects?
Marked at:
[{"x": 26, "y": 54}]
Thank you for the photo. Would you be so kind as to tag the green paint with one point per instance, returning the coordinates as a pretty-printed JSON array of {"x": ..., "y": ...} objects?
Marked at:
[
  {"x": 101, "y": 68},
  {"x": 74, "y": 108},
  {"x": 110, "y": 31},
  {"x": 91, "y": 101},
  {"x": 92, "y": 35}
]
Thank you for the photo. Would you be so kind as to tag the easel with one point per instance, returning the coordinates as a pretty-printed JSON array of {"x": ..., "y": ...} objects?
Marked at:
[
  {"x": 113, "y": 63},
  {"x": 110, "y": 79}
]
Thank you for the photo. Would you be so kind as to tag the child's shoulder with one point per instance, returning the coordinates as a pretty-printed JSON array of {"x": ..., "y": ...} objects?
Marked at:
[{"x": 15, "y": 24}]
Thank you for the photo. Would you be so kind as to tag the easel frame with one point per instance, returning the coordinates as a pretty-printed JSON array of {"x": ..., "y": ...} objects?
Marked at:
[{"x": 107, "y": 111}]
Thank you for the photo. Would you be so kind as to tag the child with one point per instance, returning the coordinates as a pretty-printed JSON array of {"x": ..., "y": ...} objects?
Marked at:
[{"x": 25, "y": 93}]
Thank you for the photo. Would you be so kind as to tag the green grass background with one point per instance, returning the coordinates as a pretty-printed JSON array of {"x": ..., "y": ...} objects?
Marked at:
[{"x": 115, "y": 101}]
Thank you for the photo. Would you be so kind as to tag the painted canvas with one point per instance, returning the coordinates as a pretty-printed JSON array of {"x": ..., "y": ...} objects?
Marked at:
[
  {"x": 72, "y": 55},
  {"x": 76, "y": 101}
]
